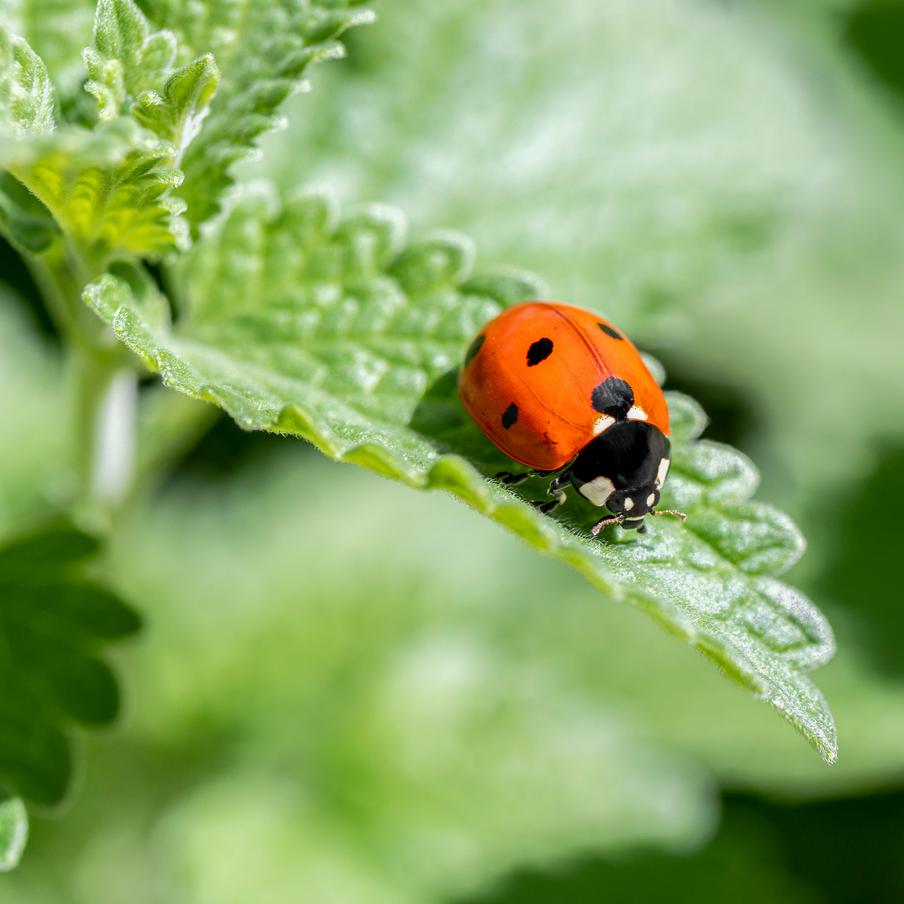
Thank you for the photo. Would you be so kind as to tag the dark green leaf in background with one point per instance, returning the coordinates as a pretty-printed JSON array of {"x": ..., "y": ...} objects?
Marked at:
[
  {"x": 874, "y": 31},
  {"x": 54, "y": 624}
]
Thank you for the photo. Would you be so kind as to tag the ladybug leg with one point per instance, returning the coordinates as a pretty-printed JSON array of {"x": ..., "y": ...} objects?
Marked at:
[
  {"x": 557, "y": 491},
  {"x": 552, "y": 504},
  {"x": 514, "y": 480}
]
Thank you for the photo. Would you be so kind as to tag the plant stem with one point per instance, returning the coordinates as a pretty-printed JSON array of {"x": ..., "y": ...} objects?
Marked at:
[
  {"x": 105, "y": 418},
  {"x": 104, "y": 409},
  {"x": 58, "y": 289}
]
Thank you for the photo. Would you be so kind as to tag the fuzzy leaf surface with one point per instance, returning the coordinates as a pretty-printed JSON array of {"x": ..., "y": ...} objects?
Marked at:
[
  {"x": 54, "y": 623},
  {"x": 58, "y": 30},
  {"x": 109, "y": 190},
  {"x": 264, "y": 51},
  {"x": 298, "y": 321},
  {"x": 132, "y": 69},
  {"x": 26, "y": 94}
]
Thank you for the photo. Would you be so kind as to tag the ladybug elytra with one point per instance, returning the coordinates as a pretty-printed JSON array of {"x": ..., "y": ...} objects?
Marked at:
[{"x": 562, "y": 391}]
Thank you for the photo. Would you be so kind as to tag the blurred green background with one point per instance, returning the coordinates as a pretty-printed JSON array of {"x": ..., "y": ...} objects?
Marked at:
[{"x": 348, "y": 692}]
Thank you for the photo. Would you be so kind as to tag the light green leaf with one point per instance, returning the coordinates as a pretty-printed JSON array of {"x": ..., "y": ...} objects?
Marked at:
[
  {"x": 263, "y": 50},
  {"x": 296, "y": 321},
  {"x": 53, "y": 621},
  {"x": 57, "y": 30},
  {"x": 27, "y": 103},
  {"x": 176, "y": 112},
  {"x": 132, "y": 70},
  {"x": 13, "y": 831},
  {"x": 126, "y": 58},
  {"x": 109, "y": 190}
]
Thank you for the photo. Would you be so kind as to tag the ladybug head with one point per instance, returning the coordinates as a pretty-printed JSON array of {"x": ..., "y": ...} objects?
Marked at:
[
  {"x": 624, "y": 469},
  {"x": 632, "y": 505}
]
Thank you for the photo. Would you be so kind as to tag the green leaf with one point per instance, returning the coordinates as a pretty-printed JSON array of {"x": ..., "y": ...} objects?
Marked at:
[
  {"x": 296, "y": 321},
  {"x": 176, "y": 112},
  {"x": 57, "y": 30},
  {"x": 109, "y": 190},
  {"x": 264, "y": 50},
  {"x": 27, "y": 103},
  {"x": 54, "y": 622},
  {"x": 126, "y": 58},
  {"x": 13, "y": 831},
  {"x": 686, "y": 254},
  {"x": 132, "y": 70}
]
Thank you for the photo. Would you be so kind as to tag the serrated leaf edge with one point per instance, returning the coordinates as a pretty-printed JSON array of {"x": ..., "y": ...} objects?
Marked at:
[{"x": 455, "y": 475}]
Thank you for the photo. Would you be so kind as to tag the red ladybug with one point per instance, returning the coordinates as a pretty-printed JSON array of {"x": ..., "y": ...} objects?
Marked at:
[{"x": 559, "y": 389}]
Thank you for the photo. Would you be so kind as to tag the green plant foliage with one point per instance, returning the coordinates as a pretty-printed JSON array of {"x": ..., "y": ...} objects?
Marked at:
[
  {"x": 624, "y": 188},
  {"x": 177, "y": 111},
  {"x": 361, "y": 729},
  {"x": 109, "y": 189},
  {"x": 54, "y": 622},
  {"x": 264, "y": 50},
  {"x": 401, "y": 736},
  {"x": 13, "y": 831},
  {"x": 132, "y": 70},
  {"x": 57, "y": 30},
  {"x": 126, "y": 59},
  {"x": 26, "y": 95},
  {"x": 112, "y": 191},
  {"x": 332, "y": 329}
]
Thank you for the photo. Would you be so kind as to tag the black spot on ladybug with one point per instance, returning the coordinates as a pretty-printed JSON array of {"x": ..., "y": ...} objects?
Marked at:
[
  {"x": 539, "y": 351},
  {"x": 510, "y": 415},
  {"x": 476, "y": 345},
  {"x": 613, "y": 397},
  {"x": 610, "y": 331}
]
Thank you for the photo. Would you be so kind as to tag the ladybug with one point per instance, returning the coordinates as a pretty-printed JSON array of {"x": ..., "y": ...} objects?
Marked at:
[{"x": 562, "y": 391}]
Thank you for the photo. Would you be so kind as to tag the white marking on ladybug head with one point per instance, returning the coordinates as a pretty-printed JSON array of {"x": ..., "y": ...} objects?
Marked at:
[
  {"x": 651, "y": 500},
  {"x": 662, "y": 473},
  {"x": 636, "y": 413},
  {"x": 597, "y": 490},
  {"x": 629, "y": 503},
  {"x": 602, "y": 423}
]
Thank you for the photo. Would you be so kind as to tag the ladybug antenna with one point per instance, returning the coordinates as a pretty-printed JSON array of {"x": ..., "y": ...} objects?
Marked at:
[
  {"x": 616, "y": 519},
  {"x": 671, "y": 512}
]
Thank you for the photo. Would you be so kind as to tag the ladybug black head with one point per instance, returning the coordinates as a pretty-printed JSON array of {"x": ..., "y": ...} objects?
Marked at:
[
  {"x": 633, "y": 505},
  {"x": 624, "y": 469}
]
